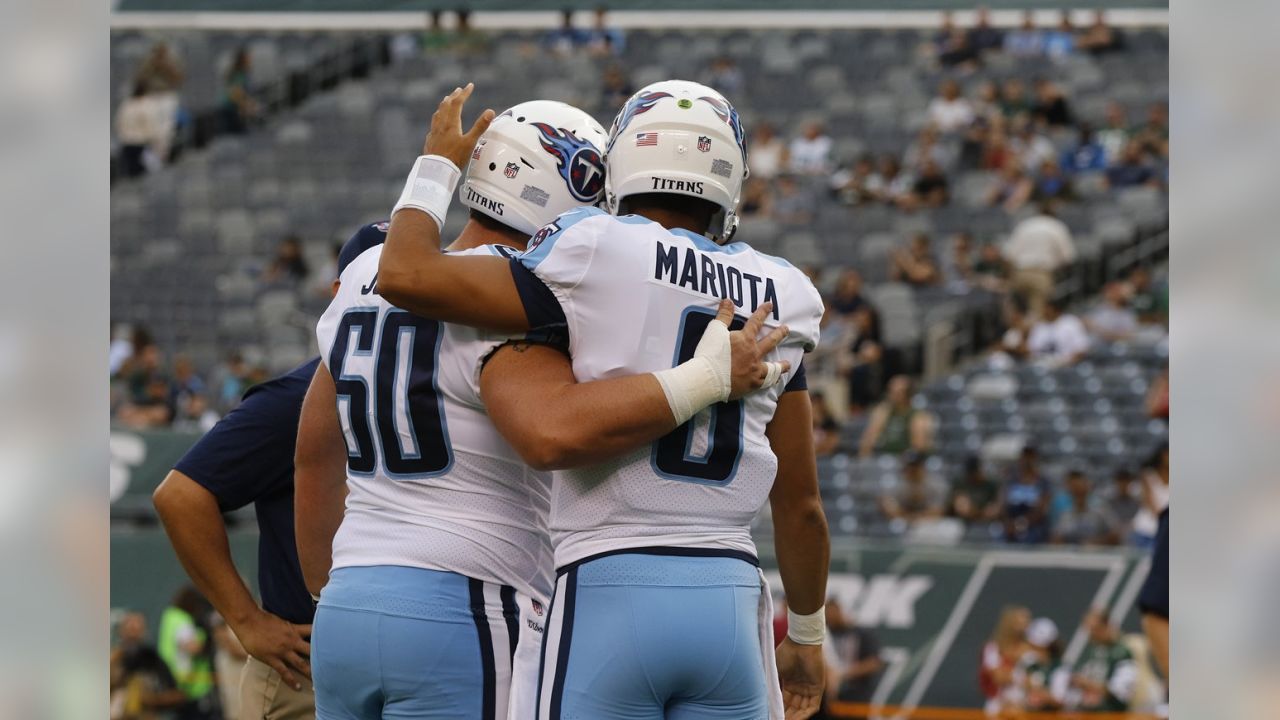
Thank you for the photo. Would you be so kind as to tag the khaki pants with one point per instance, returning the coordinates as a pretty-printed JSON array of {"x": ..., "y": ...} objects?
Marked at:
[
  {"x": 1036, "y": 285},
  {"x": 263, "y": 696}
]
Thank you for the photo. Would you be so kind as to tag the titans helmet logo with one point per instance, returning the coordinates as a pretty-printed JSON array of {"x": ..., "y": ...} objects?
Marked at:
[
  {"x": 730, "y": 118},
  {"x": 638, "y": 104},
  {"x": 578, "y": 161}
]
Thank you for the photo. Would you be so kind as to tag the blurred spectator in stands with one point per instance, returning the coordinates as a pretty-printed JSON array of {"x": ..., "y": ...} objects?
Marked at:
[
  {"x": 955, "y": 51},
  {"x": 288, "y": 266},
  {"x": 161, "y": 75},
  {"x": 1061, "y": 41},
  {"x": 184, "y": 645},
  {"x": 827, "y": 366},
  {"x": 757, "y": 198},
  {"x": 1051, "y": 184},
  {"x": 854, "y": 662},
  {"x": 141, "y": 686},
  {"x": 1153, "y": 134},
  {"x": 991, "y": 270},
  {"x": 566, "y": 39},
  {"x": 1105, "y": 676},
  {"x": 1088, "y": 155},
  {"x": 917, "y": 496},
  {"x": 725, "y": 76},
  {"x": 889, "y": 183},
  {"x": 866, "y": 374},
  {"x": 974, "y": 498},
  {"x": 1058, "y": 338},
  {"x": 126, "y": 341},
  {"x": 854, "y": 186},
  {"x": 1132, "y": 169},
  {"x": 974, "y": 142},
  {"x": 997, "y": 154},
  {"x": 847, "y": 298},
  {"x": 604, "y": 40},
  {"x": 1155, "y": 498},
  {"x": 957, "y": 263},
  {"x": 238, "y": 108},
  {"x": 768, "y": 152},
  {"x": 950, "y": 112},
  {"x": 1051, "y": 107},
  {"x": 228, "y": 661},
  {"x": 930, "y": 189},
  {"x": 1099, "y": 38},
  {"x": 926, "y": 147},
  {"x": 467, "y": 38},
  {"x": 1027, "y": 40},
  {"x": 1112, "y": 320},
  {"x": 915, "y": 264},
  {"x": 150, "y": 402},
  {"x": 983, "y": 36},
  {"x": 1084, "y": 521},
  {"x": 1012, "y": 347},
  {"x": 997, "y": 679},
  {"x": 793, "y": 204},
  {"x": 233, "y": 378},
  {"x": 189, "y": 397},
  {"x": 1114, "y": 136},
  {"x": 616, "y": 88},
  {"x": 1045, "y": 681},
  {"x": 826, "y": 431},
  {"x": 943, "y": 34},
  {"x": 1157, "y": 402},
  {"x": 1014, "y": 100},
  {"x": 1038, "y": 246},
  {"x": 810, "y": 154},
  {"x": 1029, "y": 144},
  {"x": 896, "y": 425},
  {"x": 320, "y": 284},
  {"x": 1149, "y": 301},
  {"x": 986, "y": 101},
  {"x": 1012, "y": 189},
  {"x": 1024, "y": 501},
  {"x": 137, "y": 132},
  {"x": 1122, "y": 499}
]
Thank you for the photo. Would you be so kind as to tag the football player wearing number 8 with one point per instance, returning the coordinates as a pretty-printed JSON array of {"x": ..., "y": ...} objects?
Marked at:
[
  {"x": 434, "y": 571},
  {"x": 659, "y": 610}
]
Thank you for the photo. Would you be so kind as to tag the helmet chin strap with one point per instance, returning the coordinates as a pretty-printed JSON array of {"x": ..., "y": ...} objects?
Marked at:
[{"x": 727, "y": 222}]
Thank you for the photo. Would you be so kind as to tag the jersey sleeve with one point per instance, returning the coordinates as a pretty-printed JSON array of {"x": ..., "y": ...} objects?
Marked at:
[
  {"x": 560, "y": 253},
  {"x": 250, "y": 451},
  {"x": 807, "y": 326}
]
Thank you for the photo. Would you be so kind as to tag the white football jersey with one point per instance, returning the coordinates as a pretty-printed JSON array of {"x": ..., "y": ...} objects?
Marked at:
[
  {"x": 636, "y": 298},
  {"x": 431, "y": 483}
]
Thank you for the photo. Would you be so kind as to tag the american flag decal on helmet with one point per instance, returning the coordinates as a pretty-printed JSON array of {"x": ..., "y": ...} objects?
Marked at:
[{"x": 648, "y": 139}]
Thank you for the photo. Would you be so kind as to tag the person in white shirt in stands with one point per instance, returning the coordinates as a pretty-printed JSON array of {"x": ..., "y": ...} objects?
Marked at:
[
  {"x": 1113, "y": 319},
  {"x": 811, "y": 152},
  {"x": 950, "y": 112},
  {"x": 137, "y": 132},
  {"x": 768, "y": 153},
  {"x": 1036, "y": 248},
  {"x": 1059, "y": 338}
]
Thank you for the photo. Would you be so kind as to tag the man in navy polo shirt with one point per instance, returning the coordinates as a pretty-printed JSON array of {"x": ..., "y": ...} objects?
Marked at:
[{"x": 248, "y": 458}]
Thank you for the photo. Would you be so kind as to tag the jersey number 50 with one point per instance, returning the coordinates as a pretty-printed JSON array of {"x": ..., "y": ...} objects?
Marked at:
[
  {"x": 673, "y": 456},
  {"x": 408, "y": 415}
]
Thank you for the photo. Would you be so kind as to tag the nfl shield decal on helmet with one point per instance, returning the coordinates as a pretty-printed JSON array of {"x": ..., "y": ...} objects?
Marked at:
[
  {"x": 704, "y": 143},
  {"x": 511, "y": 170},
  {"x": 577, "y": 160}
]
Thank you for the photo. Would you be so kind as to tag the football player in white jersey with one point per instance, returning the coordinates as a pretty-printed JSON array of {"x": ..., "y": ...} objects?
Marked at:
[
  {"x": 658, "y": 610},
  {"x": 440, "y": 561}
]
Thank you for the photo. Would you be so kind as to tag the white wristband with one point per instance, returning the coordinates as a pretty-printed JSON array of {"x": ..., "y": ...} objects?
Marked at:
[
  {"x": 808, "y": 629},
  {"x": 704, "y": 379},
  {"x": 430, "y": 187}
]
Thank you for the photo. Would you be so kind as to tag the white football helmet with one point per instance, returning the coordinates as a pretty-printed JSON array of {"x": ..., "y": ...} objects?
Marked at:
[
  {"x": 679, "y": 137},
  {"x": 537, "y": 160}
]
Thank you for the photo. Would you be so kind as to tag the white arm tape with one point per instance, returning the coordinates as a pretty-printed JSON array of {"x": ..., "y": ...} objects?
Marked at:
[
  {"x": 702, "y": 380},
  {"x": 808, "y": 629},
  {"x": 430, "y": 187}
]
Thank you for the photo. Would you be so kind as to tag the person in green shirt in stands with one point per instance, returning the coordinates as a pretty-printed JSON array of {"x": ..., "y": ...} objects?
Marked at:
[
  {"x": 1106, "y": 674},
  {"x": 896, "y": 426},
  {"x": 184, "y": 647}
]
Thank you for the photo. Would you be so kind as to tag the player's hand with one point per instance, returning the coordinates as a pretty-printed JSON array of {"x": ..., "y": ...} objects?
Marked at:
[
  {"x": 279, "y": 644},
  {"x": 751, "y": 371},
  {"x": 446, "y": 137},
  {"x": 803, "y": 676}
]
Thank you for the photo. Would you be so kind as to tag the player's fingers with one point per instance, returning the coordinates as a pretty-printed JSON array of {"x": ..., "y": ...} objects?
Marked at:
[
  {"x": 724, "y": 313},
  {"x": 481, "y": 124},
  {"x": 770, "y": 341},
  {"x": 303, "y": 630},
  {"x": 756, "y": 321},
  {"x": 283, "y": 671},
  {"x": 465, "y": 92},
  {"x": 773, "y": 372},
  {"x": 300, "y": 663},
  {"x": 302, "y": 647}
]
